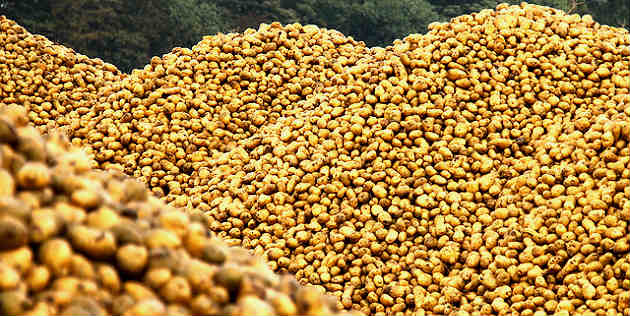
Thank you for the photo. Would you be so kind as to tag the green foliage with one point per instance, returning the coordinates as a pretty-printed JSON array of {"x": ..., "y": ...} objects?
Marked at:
[
  {"x": 453, "y": 8},
  {"x": 375, "y": 22},
  {"x": 329, "y": 13},
  {"x": 127, "y": 33},
  {"x": 95, "y": 28},
  {"x": 388, "y": 20},
  {"x": 244, "y": 14},
  {"x": 610, "y": 12},
  {"x": 193, "y": 19},
  {"x": 449, "y": 9},
  {"x": 35, "y": 14}
]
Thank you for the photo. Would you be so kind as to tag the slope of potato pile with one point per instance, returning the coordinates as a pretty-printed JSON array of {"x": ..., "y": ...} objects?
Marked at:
[
  {"x": 75, "y": 241},
  {"x": 165, "y": 123},
  {"x": 56, "y": 84},
  {"x": 482, "y": 168}
]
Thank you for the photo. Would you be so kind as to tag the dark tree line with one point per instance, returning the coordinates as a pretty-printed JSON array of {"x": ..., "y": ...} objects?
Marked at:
[{"x": 127, "y": 33}]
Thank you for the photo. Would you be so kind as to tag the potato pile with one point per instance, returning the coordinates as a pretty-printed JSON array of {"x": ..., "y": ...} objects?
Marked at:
[
  {"x": 75, "y": 241},
  {"x": 164, "y": 124},
  {"x": 56, "y": 84},
  {"x": 481, "y": 168}
]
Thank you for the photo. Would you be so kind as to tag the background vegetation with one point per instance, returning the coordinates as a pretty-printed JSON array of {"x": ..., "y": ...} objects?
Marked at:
[{"x": 127, "y": 33}]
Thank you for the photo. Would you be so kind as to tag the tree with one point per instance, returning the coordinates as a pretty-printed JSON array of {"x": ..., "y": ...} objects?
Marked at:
[
  {"x": 328, "y": 13},
  {"x": 129, "y": 33},
  {"x": 97, "y": 28},
  {"x": 610, "y": 12},
  {"x": 452, "y": 8},
  {"x": 101, "y": 28},
  {"x": 244, "y": 14},
  {"x": 35, "y": 15},
  {"x": 385, "y": 21},
  {"x": 125, "y": 33},
  {"x": 376, "y": 22},
  {"x": 193, "y": 19}
]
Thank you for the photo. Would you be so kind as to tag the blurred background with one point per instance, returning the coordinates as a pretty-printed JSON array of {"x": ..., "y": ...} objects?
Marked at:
[{"x": 128, "y": 33}]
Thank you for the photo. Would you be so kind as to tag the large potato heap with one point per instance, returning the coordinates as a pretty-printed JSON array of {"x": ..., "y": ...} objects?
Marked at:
[
  {"x": 165, "y": 123},
  {"x": 80, "y": 242},
  {"x": 56, "y": 84},
  {"x": 482, "y": 168}
]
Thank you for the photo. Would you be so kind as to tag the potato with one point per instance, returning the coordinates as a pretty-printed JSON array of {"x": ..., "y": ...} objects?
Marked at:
[
  {"x": 480, "y": 168},
  {"x": 68, "y": 253}
]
